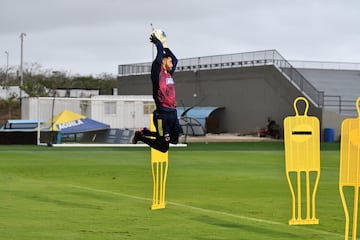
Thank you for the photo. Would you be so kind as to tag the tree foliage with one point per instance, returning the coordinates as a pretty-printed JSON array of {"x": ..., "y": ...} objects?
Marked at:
[
  {"x": 10, "y": 107},
  {"x": 39, "y": 82}
]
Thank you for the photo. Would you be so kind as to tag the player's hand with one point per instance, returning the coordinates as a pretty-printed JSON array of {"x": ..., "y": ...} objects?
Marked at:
[{"x": 153, "y": 39}]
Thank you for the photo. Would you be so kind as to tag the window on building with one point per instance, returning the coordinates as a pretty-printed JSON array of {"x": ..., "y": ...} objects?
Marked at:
[
  {"x": 149, "y": 107},
  {"x": 110, "y": 107}
]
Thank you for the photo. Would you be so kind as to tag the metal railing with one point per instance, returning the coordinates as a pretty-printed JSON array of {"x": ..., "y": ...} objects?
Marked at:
[
  {"x": 340, "y": 105},
  {"x": 207, "y": 62},
  {"x": 325, "y": 65},
  {"x": 247, "y": 59}
]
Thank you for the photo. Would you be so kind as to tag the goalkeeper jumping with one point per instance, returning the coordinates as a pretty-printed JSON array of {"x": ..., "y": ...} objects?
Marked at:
[{"x": 165, "y": 116}]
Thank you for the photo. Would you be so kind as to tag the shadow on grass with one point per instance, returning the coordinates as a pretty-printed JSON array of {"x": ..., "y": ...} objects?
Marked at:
[{"x": 248, "y": 228}]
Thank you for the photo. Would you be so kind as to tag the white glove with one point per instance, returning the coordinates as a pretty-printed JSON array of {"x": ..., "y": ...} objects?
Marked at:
[
  {"x": 164, "y": 44},
  {"x": 160, "y": 34}
]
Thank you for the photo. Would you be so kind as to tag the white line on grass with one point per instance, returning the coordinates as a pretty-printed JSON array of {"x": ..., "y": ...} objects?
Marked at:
[{"x": 202, "y": 209}]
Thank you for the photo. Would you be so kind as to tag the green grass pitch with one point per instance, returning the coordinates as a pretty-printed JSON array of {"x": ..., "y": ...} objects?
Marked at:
[{"x": 214, "y": 191}]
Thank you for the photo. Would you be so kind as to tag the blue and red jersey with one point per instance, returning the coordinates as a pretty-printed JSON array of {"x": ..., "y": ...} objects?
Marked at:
[{"x": 163, "y": 82}]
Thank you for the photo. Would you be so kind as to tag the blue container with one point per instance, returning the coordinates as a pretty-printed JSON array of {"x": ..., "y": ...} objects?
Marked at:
[{"x": 329, "y": 135}]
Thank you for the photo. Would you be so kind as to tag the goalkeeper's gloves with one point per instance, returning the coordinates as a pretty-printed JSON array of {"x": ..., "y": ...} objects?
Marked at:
[
  {"x": 153, "y": 39},
  {"x": 160, "y": 36},
  {"x": 164, "y": 44}
]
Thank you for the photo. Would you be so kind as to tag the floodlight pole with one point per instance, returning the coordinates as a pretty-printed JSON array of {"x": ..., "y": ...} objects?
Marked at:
[
  {"x": 56, "y": 74},
  {"x": 22, "y": 35},
  {"x": 7, "y": 73},
  {"x": 7, "y": 64}
]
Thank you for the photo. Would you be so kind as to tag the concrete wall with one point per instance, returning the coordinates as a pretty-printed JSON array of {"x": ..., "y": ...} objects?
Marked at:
[
  {"x": 249, "y": 95},
  {"x": 344, "y": 83},
  {"x": 331, "y": 119}
]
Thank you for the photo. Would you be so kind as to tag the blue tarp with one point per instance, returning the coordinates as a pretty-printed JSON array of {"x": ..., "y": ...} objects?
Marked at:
[{"x": 81, "y": 125}]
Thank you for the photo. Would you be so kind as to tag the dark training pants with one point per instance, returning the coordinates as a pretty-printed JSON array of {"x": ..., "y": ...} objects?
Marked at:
[{"x": 167, "y": 131}]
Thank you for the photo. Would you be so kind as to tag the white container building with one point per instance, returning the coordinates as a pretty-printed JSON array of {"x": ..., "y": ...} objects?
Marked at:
[{"x": 126, "y": 112}]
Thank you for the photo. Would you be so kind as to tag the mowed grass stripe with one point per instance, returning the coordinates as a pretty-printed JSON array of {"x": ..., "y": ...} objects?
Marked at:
[
  {"x": 211, "y": 190},
  {"x": 199, "y": 209}
]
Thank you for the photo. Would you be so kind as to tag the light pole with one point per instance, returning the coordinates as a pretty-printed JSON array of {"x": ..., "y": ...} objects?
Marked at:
[
  {"x": 7, "y": 64},
  {"x": 56, "y": 74},
  {"x": 7, "y": 73},
  {"x": 22, "y": 35}
]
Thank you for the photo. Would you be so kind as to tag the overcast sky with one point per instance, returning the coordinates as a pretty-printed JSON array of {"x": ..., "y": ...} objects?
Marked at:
[{"x": 94, "y": 36}]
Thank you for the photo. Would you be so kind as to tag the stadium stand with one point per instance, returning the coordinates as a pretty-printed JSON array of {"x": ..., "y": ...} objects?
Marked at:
[{"x": 251, "y": 86}]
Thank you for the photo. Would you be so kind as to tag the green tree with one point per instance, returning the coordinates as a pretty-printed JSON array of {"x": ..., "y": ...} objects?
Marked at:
[
  {"x": 11, "y": 103},
  {"x": 39, "y": 82}
]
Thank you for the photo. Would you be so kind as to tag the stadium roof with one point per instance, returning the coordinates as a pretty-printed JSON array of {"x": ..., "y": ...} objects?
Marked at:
[{"x": 199, "y": 113}]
